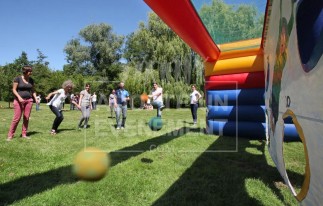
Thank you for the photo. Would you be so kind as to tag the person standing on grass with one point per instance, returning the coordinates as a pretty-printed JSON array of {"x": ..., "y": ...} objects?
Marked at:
[
  {"x": 71, "y": 104},
  {"x": 194, "y": 96},
  {"x": 120, "y": 104},
  {"x": 56, "y": 103},
  {"x": 94, "y": 98},
  {"x": 112, "y": 97},
  {"x": 38, "y": 99},
  {"x": 76, "y": 99},
  {"x": 157, "y": 95},
  {"x": 23, "y": 89},
  {"x": 85, "y": 103}
]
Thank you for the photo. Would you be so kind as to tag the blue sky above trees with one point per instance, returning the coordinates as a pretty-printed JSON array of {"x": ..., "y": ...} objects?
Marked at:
[{"x": 49, "y": 25}]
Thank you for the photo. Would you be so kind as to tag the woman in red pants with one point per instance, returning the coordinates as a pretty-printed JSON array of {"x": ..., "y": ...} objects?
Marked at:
[{"x": 23, "y": 89}]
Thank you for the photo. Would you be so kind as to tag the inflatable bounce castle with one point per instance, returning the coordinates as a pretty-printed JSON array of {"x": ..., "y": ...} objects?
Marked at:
[{"x": 265, "y": 88}]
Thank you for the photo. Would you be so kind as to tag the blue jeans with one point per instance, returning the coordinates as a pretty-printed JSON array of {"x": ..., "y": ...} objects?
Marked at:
[
  {"x": 158, "y": 104},
  {"x": 86, "y": 111},
  {"x": 121, "y": 109},
  {"x": 72, "y": 106},
  {"x": 94, "y": 105},
  {"x": 194, "y": 112},
  {"x": 37, "y": 107},
  {"x": 59, "y": 117}
]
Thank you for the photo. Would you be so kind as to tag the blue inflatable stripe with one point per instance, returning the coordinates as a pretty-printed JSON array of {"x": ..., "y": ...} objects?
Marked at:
[
  {"x": 235, "y": 97},
  {"x": 250, "y": 130},
  {"x": 290, "y": 133},
  {"x": 252, "y": 113},
  {"x": 288, "y": 120}
]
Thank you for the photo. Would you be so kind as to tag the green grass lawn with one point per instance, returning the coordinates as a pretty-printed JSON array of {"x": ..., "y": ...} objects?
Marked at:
[{"x": 178, "y": 165}]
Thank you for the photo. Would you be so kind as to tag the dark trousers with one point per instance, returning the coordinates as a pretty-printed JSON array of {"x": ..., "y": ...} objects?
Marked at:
[
  {"x": 194, "y": 111},
  {"x": 59, "y": 117}
]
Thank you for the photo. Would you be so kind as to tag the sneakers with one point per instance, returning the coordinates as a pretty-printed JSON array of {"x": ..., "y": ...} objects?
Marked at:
[
  {"x": 162, "y": 107},
  {"x": 26, "y": 137},
  {"x": 122, "y": 127},
  {"x": 52, "y": 132},
  {"x": 118, "y": 128},
  {"x": 9, "y": 139}
]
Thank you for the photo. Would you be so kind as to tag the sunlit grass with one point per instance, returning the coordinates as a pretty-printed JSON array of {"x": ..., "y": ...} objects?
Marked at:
[{"x": 178, "y": 165}]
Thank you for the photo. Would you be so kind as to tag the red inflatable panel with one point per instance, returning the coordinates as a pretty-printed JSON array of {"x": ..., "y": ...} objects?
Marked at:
[
  {"x": 235, "y": 81},
  {"x": 181, "y": 17}
]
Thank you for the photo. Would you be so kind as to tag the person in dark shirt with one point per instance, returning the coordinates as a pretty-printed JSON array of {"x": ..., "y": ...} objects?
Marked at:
[{"x": 23, "y": 89}]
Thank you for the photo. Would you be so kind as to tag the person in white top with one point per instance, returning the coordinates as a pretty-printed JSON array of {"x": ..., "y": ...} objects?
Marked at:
[
  {"x": 38, "y": 99},
  {"x": 157, "y": 96},
  {"x": 71, "y": 104},
  {"x": 112, "y": 100},
  {"x": 94, "y": 101},
  {"x": 56, "y": 103},
  {"x": 194, "y": 96},
  {"x": 85, "y": 103}
]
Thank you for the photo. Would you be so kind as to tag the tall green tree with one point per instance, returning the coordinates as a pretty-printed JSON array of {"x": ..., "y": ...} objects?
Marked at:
[
  {"x": 21, "y": 61},
  {"x": 41, "y": 75},
  {"x": 154, "y": 45},
  {"x": 227, "y": 23},
  {"x": 8, "y": 73},
  {"x": 100, "y": 53},
  {"x": 41, "y": 58}
]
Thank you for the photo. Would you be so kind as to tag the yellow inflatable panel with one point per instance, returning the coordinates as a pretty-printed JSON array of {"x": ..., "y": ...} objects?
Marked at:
[
  {"x": 240, "y": 49},
  {"x": 240, "y": 45},
  {"x": 253, "y": 63},
  {"x": 240, "y": 53}
]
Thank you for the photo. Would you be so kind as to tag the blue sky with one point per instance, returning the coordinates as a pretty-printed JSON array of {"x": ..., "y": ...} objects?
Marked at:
[{"x": 27, "y": 25}]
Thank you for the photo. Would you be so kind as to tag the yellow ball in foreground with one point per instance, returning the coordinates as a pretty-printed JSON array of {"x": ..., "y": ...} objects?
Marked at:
[{"x": 91, "y": 164}]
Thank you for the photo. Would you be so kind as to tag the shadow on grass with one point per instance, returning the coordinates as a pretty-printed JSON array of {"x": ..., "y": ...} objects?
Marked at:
[
  {"x": 33, "y": 184},
  {"x": 126, "y": 153},
  {"x": 190, "y": 123},
  {"x": 31, "y": 133},
  {"x": 64, "y": 130},
  {"x": 215, "y": 178},
  {"x": 218, "y": 178}
]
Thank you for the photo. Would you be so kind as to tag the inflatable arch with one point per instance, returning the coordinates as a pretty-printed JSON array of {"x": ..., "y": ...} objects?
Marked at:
[{"x": 264, "y": 88}]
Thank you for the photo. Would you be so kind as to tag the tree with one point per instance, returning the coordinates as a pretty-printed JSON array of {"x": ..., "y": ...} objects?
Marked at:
[
  {"x": 78, "y": 57},
  {"x": 41, "y": 74},
  {"x": 21, "y": 61},
  {"x": 101, "y": 53},
  {"x": 40, "y": 58},
  {"x": 8, "y": 73},
  {"x": 227, "y": 23},
  {"x": 154, "y": 45}
]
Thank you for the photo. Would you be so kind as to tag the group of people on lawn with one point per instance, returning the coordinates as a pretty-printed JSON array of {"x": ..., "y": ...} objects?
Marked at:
[{"x": 23, "y": 90}]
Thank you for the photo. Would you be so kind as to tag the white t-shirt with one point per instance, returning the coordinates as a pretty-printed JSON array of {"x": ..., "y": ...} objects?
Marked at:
[
  {"x": 194, "y": 97},
  {"x": 94, "y": 98},
  {"x": 111, "y": 99},
  {"x": 86, "y": 99},
  {"x": 58, "y": 100},
  {"x": 158, "y": 98}
]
